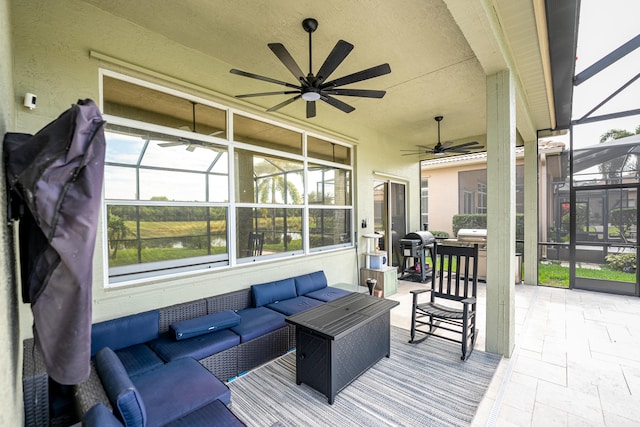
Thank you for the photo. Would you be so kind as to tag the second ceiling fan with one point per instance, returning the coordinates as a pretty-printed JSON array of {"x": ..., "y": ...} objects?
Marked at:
[
  {"x": 312, "y": 88},
  {"x": 444, "y": 148}
]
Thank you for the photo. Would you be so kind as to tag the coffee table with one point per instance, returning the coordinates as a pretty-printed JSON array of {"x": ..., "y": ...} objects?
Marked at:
[{"x": 338, "y": 341}]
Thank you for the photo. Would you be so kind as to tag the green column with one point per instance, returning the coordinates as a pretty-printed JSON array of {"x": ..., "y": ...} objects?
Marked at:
[{"x": 501, "y": 209}]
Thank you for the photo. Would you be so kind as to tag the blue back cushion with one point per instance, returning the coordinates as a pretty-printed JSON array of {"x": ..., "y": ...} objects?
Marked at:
[
  {"x": 310, "y": 282},
  {"x": 205, "y": 324},
  {"x": 125, "y": 331},
  {"x": 267, "y": 293},
  {"x": 122, "y": 394}
]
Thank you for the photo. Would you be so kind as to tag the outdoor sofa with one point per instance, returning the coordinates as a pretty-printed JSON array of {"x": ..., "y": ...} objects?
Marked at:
[{"x": 227, "y": 334}]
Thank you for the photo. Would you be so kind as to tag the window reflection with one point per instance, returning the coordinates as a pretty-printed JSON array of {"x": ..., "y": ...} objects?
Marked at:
[
  {"x": 329, "y": 186},
  {"x": 328, "y": 227},
  {"x": 268, "y": 179},
  {"x": 280, "y": 228},
  {"x": 144, "y": 234}
]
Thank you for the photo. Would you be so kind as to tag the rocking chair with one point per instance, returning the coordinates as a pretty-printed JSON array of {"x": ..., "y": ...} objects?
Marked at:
[{"x": 450, "y": 312}]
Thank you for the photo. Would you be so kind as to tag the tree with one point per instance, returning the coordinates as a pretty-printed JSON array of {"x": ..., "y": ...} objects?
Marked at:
[
  {"x": 116, "y": 230},
  {"x": 615, "y": 167}
]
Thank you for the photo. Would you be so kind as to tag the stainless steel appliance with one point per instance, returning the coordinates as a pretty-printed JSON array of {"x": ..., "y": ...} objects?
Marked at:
[{"x": 470, "y": 236}]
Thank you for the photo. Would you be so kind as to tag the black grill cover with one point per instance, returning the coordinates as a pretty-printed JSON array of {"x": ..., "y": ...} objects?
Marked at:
[{"x": 56, "y": 176}]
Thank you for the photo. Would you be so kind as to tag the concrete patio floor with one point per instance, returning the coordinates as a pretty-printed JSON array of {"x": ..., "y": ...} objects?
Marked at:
[{"x": 576, "y": 360}]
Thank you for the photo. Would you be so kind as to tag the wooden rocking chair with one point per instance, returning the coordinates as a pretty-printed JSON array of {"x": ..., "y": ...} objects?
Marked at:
[{"x": 450, "y": 313}]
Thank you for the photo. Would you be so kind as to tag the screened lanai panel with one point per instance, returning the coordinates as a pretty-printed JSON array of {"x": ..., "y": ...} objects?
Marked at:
[{"x": 612, "y": 162}]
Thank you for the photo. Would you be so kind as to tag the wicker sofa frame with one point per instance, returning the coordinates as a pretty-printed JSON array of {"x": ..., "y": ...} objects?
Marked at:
[{"x": 225, "y": 365}]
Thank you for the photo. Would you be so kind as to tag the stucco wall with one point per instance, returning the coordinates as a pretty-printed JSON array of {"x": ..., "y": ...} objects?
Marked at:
[
  {"x": 444, "y": 193},
  {"x": 10, "y": 355},
  {"x": 52, "y": 45}
]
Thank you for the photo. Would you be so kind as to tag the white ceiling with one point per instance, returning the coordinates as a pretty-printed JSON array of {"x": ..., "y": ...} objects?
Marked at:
[{"x": 437, "y": 68}]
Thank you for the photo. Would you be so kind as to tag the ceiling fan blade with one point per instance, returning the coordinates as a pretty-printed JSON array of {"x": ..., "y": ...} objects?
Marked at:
[
  {"x": 369, "y": 73},
  {"x": 285, "y": 57},
  {"x": 366, "y": 93},
  {"x": 468, "y": 144},
  {"x": 282, "y": 104},
  {"x": 445, "y": 145},
  {"x": 412, "y": 154},
  {"x": 282, "y": 92},
  {"x": 311, "y": 109},
  {"x": 263, "y": 78},
  {"x": 337, "y": 103},
  {"x": 335, "y": 58},
  {"x": 171, "y": 144}
]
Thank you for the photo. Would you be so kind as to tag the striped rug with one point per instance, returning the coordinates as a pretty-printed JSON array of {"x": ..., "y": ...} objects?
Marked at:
[{"x": 424, "y": 384}]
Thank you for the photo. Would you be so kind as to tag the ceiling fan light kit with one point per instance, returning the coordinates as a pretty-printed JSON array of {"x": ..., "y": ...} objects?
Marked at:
[
  {"x": 312, "y": 88},
  {"x": 442, "y": 149}
]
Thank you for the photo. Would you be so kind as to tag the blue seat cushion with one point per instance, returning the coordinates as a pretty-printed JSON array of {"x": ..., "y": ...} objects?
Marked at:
[
  {"x": 267, "y": 293},
  {"x": 178, "y": 388},
  {"x": 100, "y": 416},
  {"x": 197, "y": 347},
  {"x": 328, "y": 294},
  {"x": 205, "y": 324},
  {"x": 123, "y": 394},
  {"x": 138, "y": 359},
  {"x": 310, "y": 282},
  {"x": 294, "y": 305},
  {"x": 125, "y": 331},
  {"x": 213, "y": 414},
  {"x": 257, "y": 322}
]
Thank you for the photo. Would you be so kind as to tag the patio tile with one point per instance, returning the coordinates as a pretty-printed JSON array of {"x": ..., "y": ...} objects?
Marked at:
[
  {"x": 548, "y": 416},
  {"x": 616, "y": 420},
  {"x": 615, "y": 403},
  {"x": 542, "y": 370},
  {"x": 570, "y": 400},
  {"x": 513, "y": 416}
]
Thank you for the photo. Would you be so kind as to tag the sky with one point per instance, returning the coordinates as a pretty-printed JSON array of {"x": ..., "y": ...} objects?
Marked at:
[{"x": 604, "y": 26}]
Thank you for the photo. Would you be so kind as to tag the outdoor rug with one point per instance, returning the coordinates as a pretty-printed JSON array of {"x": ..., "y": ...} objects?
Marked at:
[{"x": 424, "y": 384}]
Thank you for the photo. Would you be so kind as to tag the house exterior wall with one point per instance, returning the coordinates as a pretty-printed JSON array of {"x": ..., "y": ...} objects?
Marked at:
[
  {"x": 444, "y": 191},
  {"x": 10, "y": 353},
  {"x": 51, "y": 49}
]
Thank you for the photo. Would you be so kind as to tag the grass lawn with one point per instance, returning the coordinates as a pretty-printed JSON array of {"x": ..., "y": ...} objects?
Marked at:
[{"x": 554, "y": 274}]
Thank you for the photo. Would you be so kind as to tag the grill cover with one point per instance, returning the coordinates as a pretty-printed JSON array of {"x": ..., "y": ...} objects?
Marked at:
[{"x": 472, "y": 235}]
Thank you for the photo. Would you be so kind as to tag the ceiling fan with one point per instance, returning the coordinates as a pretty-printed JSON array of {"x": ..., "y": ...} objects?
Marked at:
[
  {"x": 312, "y": 88},
  {"x": 443, "y": 148},
  {"x": 190, "y": 143}
]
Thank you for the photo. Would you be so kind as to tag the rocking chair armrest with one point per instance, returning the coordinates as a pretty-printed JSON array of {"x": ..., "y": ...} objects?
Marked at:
[
  {"x": 470, "y": 300},
  {"x": 417, "y": 292}
]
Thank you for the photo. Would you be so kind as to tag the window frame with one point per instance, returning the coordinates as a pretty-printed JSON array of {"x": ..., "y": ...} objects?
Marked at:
[{"x": 216, "y": 262}]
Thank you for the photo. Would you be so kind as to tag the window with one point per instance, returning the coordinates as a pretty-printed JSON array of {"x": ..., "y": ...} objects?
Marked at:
[
  {"x": 169, "y": 170},
  {"x": 160, "y": 205}
]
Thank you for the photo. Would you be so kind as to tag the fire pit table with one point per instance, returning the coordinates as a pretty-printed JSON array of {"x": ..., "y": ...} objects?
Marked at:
[{"x": 338, "y": 341}]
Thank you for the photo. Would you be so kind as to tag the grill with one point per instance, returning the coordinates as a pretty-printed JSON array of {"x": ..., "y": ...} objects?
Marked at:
[
  {"x": 414, "y": 248},
  {"x": 471, "y": 236}
]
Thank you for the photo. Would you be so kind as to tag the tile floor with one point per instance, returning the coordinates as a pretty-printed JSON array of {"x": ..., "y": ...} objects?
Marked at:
[{"x": 576, "y": 360}]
